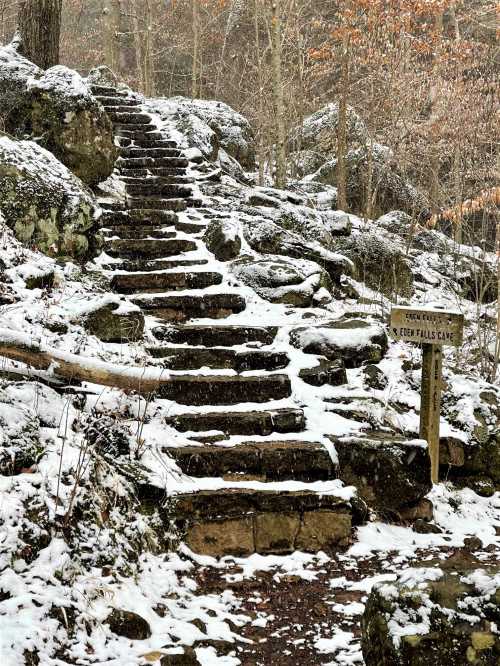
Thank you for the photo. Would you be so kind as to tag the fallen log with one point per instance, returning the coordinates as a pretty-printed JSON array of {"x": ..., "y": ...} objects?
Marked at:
[{"x": 71, "y": 367}]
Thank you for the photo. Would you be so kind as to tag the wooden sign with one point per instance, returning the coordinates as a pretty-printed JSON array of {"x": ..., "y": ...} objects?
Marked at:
[{"x": 433, "y": 328}]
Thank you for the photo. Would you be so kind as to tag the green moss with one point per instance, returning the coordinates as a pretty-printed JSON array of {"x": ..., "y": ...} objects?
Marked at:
[{"x": 482, "y": 640}]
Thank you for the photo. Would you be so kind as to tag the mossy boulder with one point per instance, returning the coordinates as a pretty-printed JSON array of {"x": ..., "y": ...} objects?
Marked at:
[
  {"x": 57, "y": 109},
  {"x": 430, "y": 617},
  {"x": 112, "y": 321},
  {"x": 380, "y": 264},
  {"x": 291, "y": 281},
  {"x": 44, "y": 203}
]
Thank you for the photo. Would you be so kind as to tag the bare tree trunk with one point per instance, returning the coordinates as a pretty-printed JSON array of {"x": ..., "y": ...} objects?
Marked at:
[
  {"x": 260, "y": 94},
  {"x": 112, "y": 19},
  {"x": 279, "y": 106},
  {"x": 39, "y": 24},
  {"x": 196, "y": 46},
  {"x": 342, "y": 129}
]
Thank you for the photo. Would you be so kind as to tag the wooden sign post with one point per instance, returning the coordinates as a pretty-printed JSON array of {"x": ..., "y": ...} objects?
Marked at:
[{"x": 432, "y": 328}]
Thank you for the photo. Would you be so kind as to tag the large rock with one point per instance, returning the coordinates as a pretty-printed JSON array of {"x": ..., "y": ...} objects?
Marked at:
[
  {"x": 380, "y": 264},
  {"x": 209, "y": 125},
  {"x": 393, "y": 190},
  {"x": 128, "y": 624},
  {"x": 295, "y": 282},
  {"x": 44, "y": 203},
  {"x": 315, "y": 141},
  {"x": 223, "y": 239},
  {"x": 266, "y": 237},
  {"x": 390, "y": 474},
  {"x": 114, "y": 321},
  {"x": 58, "y": 110},
  {"x": 429, "y": 616},
  {"x": 355, "y": 341}
]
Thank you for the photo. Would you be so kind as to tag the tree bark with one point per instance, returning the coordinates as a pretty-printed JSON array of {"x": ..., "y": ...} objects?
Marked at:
[
  {"x": 342, "y": 129},
  {"x": 112, "y": 19},
  {"x": 39, "y": 24},
  {"x": 279, "y": 105},
  {"x": 70, "y": 367}
]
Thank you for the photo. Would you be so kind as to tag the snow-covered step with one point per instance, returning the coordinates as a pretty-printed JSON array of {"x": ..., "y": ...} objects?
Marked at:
[
  {"x": 210, "y": 335},
  {"x": 143, "y": 135},
  {"x": 252, "y": 423},
  {"x": 130, "y": 106},
  {"x": 190, "y": 227},
  {"x": 133, "y": 127},
  {"x": 135, "y": 162},
  {"x": 148, "y": 247},
  {"x": 144, "y": 265},
  {"x": 139, "y": 231},
  {"x": 109, "y": 101},
  {"x": 156, "y": 203},
  {"x": 107, "y": 91},
  {"x": 182, "y": 307},
  {"x": 275, "y": 460},
  {"x": 159, "y": 282},
  {"x": 132, "y": 217},
  {"x": 158, "y": 190},
  {"x": 240, "y": 360},
  {"x": 130, "y": 118},
  {"x": 272, "y": 518},
  {"x": 216, "y": 389},
  {"x": 169, "y": 175},
  {"x": 134, "y": 151}
]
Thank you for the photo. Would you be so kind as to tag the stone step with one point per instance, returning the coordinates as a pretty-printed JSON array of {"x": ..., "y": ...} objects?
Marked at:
[
  {"x": 198, "y": 335},
  {"x": 261, "y": 423},
  {"x": 242, "y": 521},
  {"x": 134, "y": 231},
  {"x": 142, "y": 265},
  {"x": 192, "y": 358},
  {"x": 110, "y": 205},
  {"x": 130, "y": 118},
  {"x": 133, "y": 128},
  {"x": 146, "y": 179},
  {"x": 133, "y": 151},
  {"x": 129, "y": 107},
  {"x": 158, "y": 190},
  {"x": 280, "y": 460},
  {"x": 148, "y": 247},
  {"x": 167, "y": 162},
  {"x": 190, "y": 227},
  {"x": 146, "y": 144},
  {"x": 160, "y": 218},
  {"x": 127, "y": 283},
  {"x": 182, "y": 307},
  {"x": 198, "y": 390},
  {"x": 142, "y": 135},
  {"x": 110, "y": 101},
  {"x": 176, "y": 204},
  {"x": 107, "y": 91}
]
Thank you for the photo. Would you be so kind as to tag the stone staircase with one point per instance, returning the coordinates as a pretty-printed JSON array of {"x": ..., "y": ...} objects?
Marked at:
[{"x": 260, "y": 482}]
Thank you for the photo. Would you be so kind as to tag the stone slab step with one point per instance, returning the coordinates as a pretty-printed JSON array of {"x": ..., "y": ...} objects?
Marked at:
[
  {"x": 158, "y": 190},
  {"x": 151, "y": 282},
  {"x": 198, "y": 390},
  {"x": 190, "y": 227},
  {"x": 168, "y": 175},
  {"x": 146, "y": 180},
  {"x": 264, "y": 461},
  {"x": 130, "y": 118},
  {"x": 215, "y": 336},
  {"x": 181, "y": 308},
  {"x": 167, "y": 162},
  {"x": 176, "y": 204},
  {"x": 146, "y": 144},
  {"x": 142, "y": 265},
  {"x": 142, "y": 135},
  {"x": 109, "y": 101},
  {"x": 128, "y": 107},
  {"x": 192, "y": 358},
  {"x": 141, "y": 231},
  {"x": 148, "y": 247},
  {"x": 134, "y": 128},
  {"x": 107, "y": 91},
  {"x": 240, "y": 521},
  {"x": 134, "y": 151},
  {"x": 261, "y": 423},
  {"x": 132, "y": 216}
]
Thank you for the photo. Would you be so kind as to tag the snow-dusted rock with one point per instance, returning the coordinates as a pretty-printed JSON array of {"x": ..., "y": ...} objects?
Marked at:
[
  {"x": 19, "y": 436},
  {"x": 223, "y": 239},
  {"x": 430, "y": 616},
  {"x": 57, "y": 109},
  {"x": 267, "y": 237},
  {"x": 393, "y": 190},
  {"x": 355, "y": 341},
  {"x": 43, "y": 202},
  {"x": 210, "y": 125},
  {"x": 316, "y": 140},
  {"x": 112, "y": 320},
  {"x": 292, "y": 281},
  {"x": 379, "y": 262}
]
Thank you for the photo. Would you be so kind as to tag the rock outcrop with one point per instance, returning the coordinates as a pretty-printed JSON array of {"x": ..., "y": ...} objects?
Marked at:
[
  {"x": 429, "y": 616},
  {"x": 57, "y": 109},
  {"x": 44, "y": 203}
]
